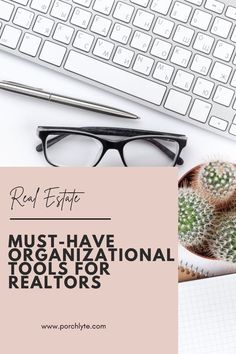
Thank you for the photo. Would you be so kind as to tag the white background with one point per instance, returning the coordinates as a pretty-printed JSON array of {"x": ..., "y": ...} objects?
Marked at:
[{"x": 20, "y": 116}]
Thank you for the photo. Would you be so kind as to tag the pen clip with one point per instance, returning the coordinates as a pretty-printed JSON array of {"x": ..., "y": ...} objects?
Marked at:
[{"x": 17, "y": 84}]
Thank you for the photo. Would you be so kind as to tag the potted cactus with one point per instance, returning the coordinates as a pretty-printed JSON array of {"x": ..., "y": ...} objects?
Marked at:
[{"x": 207, "y": 210}]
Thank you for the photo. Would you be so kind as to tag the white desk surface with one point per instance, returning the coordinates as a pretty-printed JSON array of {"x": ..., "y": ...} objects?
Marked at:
[{"x": 21, "y": 115}]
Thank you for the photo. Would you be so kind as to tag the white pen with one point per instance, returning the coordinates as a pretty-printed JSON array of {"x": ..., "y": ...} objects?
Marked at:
[{"x": 70, "y": 101}]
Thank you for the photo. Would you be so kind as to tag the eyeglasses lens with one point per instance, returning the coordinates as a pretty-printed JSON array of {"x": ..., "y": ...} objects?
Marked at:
[{"x": 74, "y": 150}]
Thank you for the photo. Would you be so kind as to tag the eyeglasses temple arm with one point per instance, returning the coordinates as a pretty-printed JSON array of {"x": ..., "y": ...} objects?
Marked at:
[
  {"x": 167, "y": 151},
  {"x": 51, "y": 141},
  {"x": 125, "y": 132}
]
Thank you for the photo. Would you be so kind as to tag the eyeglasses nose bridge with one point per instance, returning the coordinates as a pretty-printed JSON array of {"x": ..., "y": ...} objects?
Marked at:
[{"x": 114, "y": 145}]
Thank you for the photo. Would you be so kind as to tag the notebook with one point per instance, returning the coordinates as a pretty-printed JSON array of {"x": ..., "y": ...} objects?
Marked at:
[
  {"x": 194, "y": 266},
  {"x": 207, "y": 316}
]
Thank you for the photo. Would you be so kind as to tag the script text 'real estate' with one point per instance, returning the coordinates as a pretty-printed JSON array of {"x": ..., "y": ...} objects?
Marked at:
[{"x": 55, "y": 196}]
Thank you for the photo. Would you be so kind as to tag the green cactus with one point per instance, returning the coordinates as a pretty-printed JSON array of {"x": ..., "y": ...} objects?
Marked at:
[
  {"x": 196, "y": 217},
  {"x": 223, "y": 243},
  {"x": 217, "y": 182}
]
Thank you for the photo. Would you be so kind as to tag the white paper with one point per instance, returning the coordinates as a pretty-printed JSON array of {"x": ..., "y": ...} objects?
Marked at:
[{"x": 207, "y": 316}]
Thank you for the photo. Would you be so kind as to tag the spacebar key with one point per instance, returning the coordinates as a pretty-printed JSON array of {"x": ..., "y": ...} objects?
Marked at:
[{"x": 115, "y": 78}]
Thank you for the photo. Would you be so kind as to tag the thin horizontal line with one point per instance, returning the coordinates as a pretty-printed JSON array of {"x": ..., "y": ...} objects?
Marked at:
[{"x": 90, "y": 219}]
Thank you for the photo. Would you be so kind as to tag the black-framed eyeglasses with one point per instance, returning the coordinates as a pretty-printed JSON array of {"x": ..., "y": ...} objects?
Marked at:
[{"x": 86, "y": 146}]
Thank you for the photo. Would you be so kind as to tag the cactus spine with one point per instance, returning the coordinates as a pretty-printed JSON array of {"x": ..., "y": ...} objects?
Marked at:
[
  {"x": 196, "y": 217},
  {"x": 223, "y": 244}
]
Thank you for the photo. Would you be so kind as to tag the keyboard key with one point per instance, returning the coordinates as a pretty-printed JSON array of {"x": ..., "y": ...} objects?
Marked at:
[
  {"x": 143, "y": 64},
  {"x": 41, "y": 5},
  {"x": 181, "y": 12},
  {"x": 218, "y": 123},
  {"x": 233, "y": 37},
  {"x": 231, "y": 12},
  {"x": 201, "y": 64},
  {"x": 161, "y": 49},
  {"x": 6, "y": 10},
  {"x": 177, "y": 102},
  {"x": 201, "y": 19},
  {"x": 163, "y": 72},
  {"x": 181, "y": 56},
  {"x": 221, "y": 72},
  {"x": 101, "y": 25},
  {"x": 10, "y": 37},
  {"x": 183, "y": 80},
  {"x": 200, "y": 111},
  {"x": 163, "y": 27},
  {"x": 23, "y": 18},
  {"x": 223, "y": 96},
  {"x": 141, "y": 41},
  {"x": 85, "y": 3},
  {"x": 30, "y": 44},
  {"x": 143, "y": 3},
  {"x": 121, "y": 33},
  {"x": 83, "y": 41},
  {"x": 203, "y": 88},
  {"x": 215, "y": 6},
  {"x": 103, "y": 6},
  {"x": 233, "y": 129},
  {"x": 223, "y": 51},
  {"x": 52, "y": 53},
  {"x": 183, "y": 35},
  {"x": 123, "y": 56},
  {"x": 21, "y": 2},
  {"x": 103, "y": 49},
  {"x": 63, "y": 33},
  {"x": 115, "y": 77},
  {"x": 43, "y": 25},
  {"x": 123, "y": 12},
  {"x": 233, "y": 81},
  {"x": 143, "y": 19},
  {"x": 80, "y": 17},
  {"x": 195, "y": 2},
  {"x": 203, "y": 43},
  {"x": 61, "y": 10},
  {"x": 221, "y": 27},
  {"x": 161, "y": 6}
]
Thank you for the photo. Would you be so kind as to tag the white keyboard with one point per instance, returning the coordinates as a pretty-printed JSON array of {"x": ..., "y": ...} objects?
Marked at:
[{"x": 177, "y": 57}]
